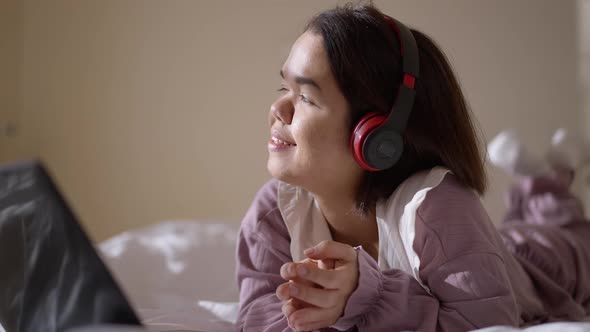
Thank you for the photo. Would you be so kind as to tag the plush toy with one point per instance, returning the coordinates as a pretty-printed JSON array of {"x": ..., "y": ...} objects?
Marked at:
[{"x": 567, "y": 151}]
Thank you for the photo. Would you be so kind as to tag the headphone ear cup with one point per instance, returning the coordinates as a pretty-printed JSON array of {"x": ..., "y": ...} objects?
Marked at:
[
  {"x": 383, "y": 148},
  {"x": 361, "y": 131}
]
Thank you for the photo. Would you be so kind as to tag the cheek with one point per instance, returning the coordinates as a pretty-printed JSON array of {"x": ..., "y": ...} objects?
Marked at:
[{"x": 323, "y": 139}]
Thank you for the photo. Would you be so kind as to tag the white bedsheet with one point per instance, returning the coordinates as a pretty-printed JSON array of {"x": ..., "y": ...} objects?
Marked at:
[
  {"x": 179, "y": 275},
  {"x": 549, "y": 327}
]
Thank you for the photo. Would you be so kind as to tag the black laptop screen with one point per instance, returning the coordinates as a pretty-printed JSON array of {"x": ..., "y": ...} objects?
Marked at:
[{"x": 51, "y": 277}]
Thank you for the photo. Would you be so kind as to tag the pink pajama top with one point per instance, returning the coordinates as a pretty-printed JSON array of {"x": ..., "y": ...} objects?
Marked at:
[{"x": 442, "y": 265}]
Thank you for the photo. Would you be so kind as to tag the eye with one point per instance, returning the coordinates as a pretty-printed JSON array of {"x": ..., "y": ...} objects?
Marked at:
[
  {"x": 305, "y": 99},
  {"x": 282, "y": 89}
]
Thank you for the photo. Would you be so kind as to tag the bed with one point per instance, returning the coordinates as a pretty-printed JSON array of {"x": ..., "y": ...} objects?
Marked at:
[{"x": 179, "y": 275}]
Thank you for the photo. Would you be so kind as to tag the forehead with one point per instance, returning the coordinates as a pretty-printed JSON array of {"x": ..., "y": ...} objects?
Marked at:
[{"x": 308, "y": 58}]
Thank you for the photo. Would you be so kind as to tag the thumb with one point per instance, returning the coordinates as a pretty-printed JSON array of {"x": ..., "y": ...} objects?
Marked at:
[{"x": 331, "y": 250}]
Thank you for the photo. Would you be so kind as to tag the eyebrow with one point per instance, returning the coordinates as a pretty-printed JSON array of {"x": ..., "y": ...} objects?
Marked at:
[{"x": 302, "y": 80}]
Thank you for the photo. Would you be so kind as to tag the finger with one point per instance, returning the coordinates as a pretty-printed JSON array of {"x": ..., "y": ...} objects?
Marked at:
[
  {"x": 323, "y": 298},
  {"x": 289, "y": 271},
  {"x": 288, "y": 308},
  {"x": 282, "y": 292},
  {"x": 331, "y": 250},
  {"x": 300, "y": 304},
  {"x": 314, "y": 275},
  {"x": 327, "y": 264},
  {"x": 309, "y": 260},
  {"x": 309, "y": 319}
]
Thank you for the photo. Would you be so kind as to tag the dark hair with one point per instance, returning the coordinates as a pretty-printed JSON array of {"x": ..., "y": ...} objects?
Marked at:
[{"x": 365, "y": 59}]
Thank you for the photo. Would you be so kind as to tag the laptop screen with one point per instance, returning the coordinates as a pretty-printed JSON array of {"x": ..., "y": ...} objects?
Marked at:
[{"x": 52, "y": 278}]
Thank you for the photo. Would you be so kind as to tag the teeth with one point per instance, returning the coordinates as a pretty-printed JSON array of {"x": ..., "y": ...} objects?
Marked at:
[{"x": 278, "y": 141}]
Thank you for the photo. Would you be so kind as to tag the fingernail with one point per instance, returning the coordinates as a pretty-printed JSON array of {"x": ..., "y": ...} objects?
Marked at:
[
  {"x": 309, "y": 251},
  {"x": 293, "y": 290},
  {"x": 290, "y": 269},
  {"x": 301, "y": 270}
]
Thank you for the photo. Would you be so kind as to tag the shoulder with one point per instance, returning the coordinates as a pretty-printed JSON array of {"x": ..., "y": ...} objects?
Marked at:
[
  {"x": 450, "y": 199},
  {"x": 453, "y": 222},
  {"x": 265, "y": 200},
  {"x": 263, "y": 241},
  {"x": 263, "y": 216}
]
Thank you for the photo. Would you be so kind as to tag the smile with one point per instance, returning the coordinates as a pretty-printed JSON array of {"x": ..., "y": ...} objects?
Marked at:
[
  {"x": 277, "y": 140},
  {"x": 277, "y": 144}
]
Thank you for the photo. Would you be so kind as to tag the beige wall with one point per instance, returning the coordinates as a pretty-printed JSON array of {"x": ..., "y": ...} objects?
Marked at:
[
  {"x": 584, "y": 78},
  {"x": 152, "y": 110},
  {"x": 10, "y": 58}
]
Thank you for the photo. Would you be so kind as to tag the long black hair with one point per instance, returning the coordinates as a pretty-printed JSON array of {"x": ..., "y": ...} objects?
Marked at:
[{"x": 365, "y": 59}]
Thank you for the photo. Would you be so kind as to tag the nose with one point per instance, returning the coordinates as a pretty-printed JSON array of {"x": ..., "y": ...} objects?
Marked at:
[{"x": 282, "y": 109}]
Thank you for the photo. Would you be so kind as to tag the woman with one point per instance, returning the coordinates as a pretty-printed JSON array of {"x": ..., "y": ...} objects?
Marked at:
[{"x": 332, "y": 242}]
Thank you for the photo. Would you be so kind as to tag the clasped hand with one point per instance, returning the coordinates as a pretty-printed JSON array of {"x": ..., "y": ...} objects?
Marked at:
[{"x": 318, "y": 287}]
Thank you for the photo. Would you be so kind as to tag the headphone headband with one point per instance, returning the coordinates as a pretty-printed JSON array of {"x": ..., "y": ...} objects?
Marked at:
[
  {"x": 409, "y": 49},
  {"x": 402, "y": 107}
]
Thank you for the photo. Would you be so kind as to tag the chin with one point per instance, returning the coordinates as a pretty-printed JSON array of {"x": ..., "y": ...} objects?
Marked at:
[{"x": 280, "y": 171}]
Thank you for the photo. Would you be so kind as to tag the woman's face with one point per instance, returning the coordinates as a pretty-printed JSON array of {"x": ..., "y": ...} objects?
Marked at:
[{"x": 309, "y": 126}]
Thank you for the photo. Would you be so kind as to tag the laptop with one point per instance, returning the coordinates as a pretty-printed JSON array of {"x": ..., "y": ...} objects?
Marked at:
[{"x": 51, "y": 277}]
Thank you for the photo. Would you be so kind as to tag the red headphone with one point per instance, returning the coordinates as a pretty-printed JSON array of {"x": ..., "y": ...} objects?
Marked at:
[{"x": 376, "y": 141}]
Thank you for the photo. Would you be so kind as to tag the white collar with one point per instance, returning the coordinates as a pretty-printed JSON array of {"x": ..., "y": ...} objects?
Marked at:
[
  {"x": 307, "y": 226},
  {"x": 396, "y": 219}
]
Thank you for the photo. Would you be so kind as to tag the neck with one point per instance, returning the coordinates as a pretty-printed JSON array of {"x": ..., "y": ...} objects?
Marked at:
[{"x": 346, "y": 224}]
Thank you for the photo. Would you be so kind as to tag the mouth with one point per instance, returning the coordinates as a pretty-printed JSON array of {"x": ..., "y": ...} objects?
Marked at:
[{"x": 277, "y": 142}]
